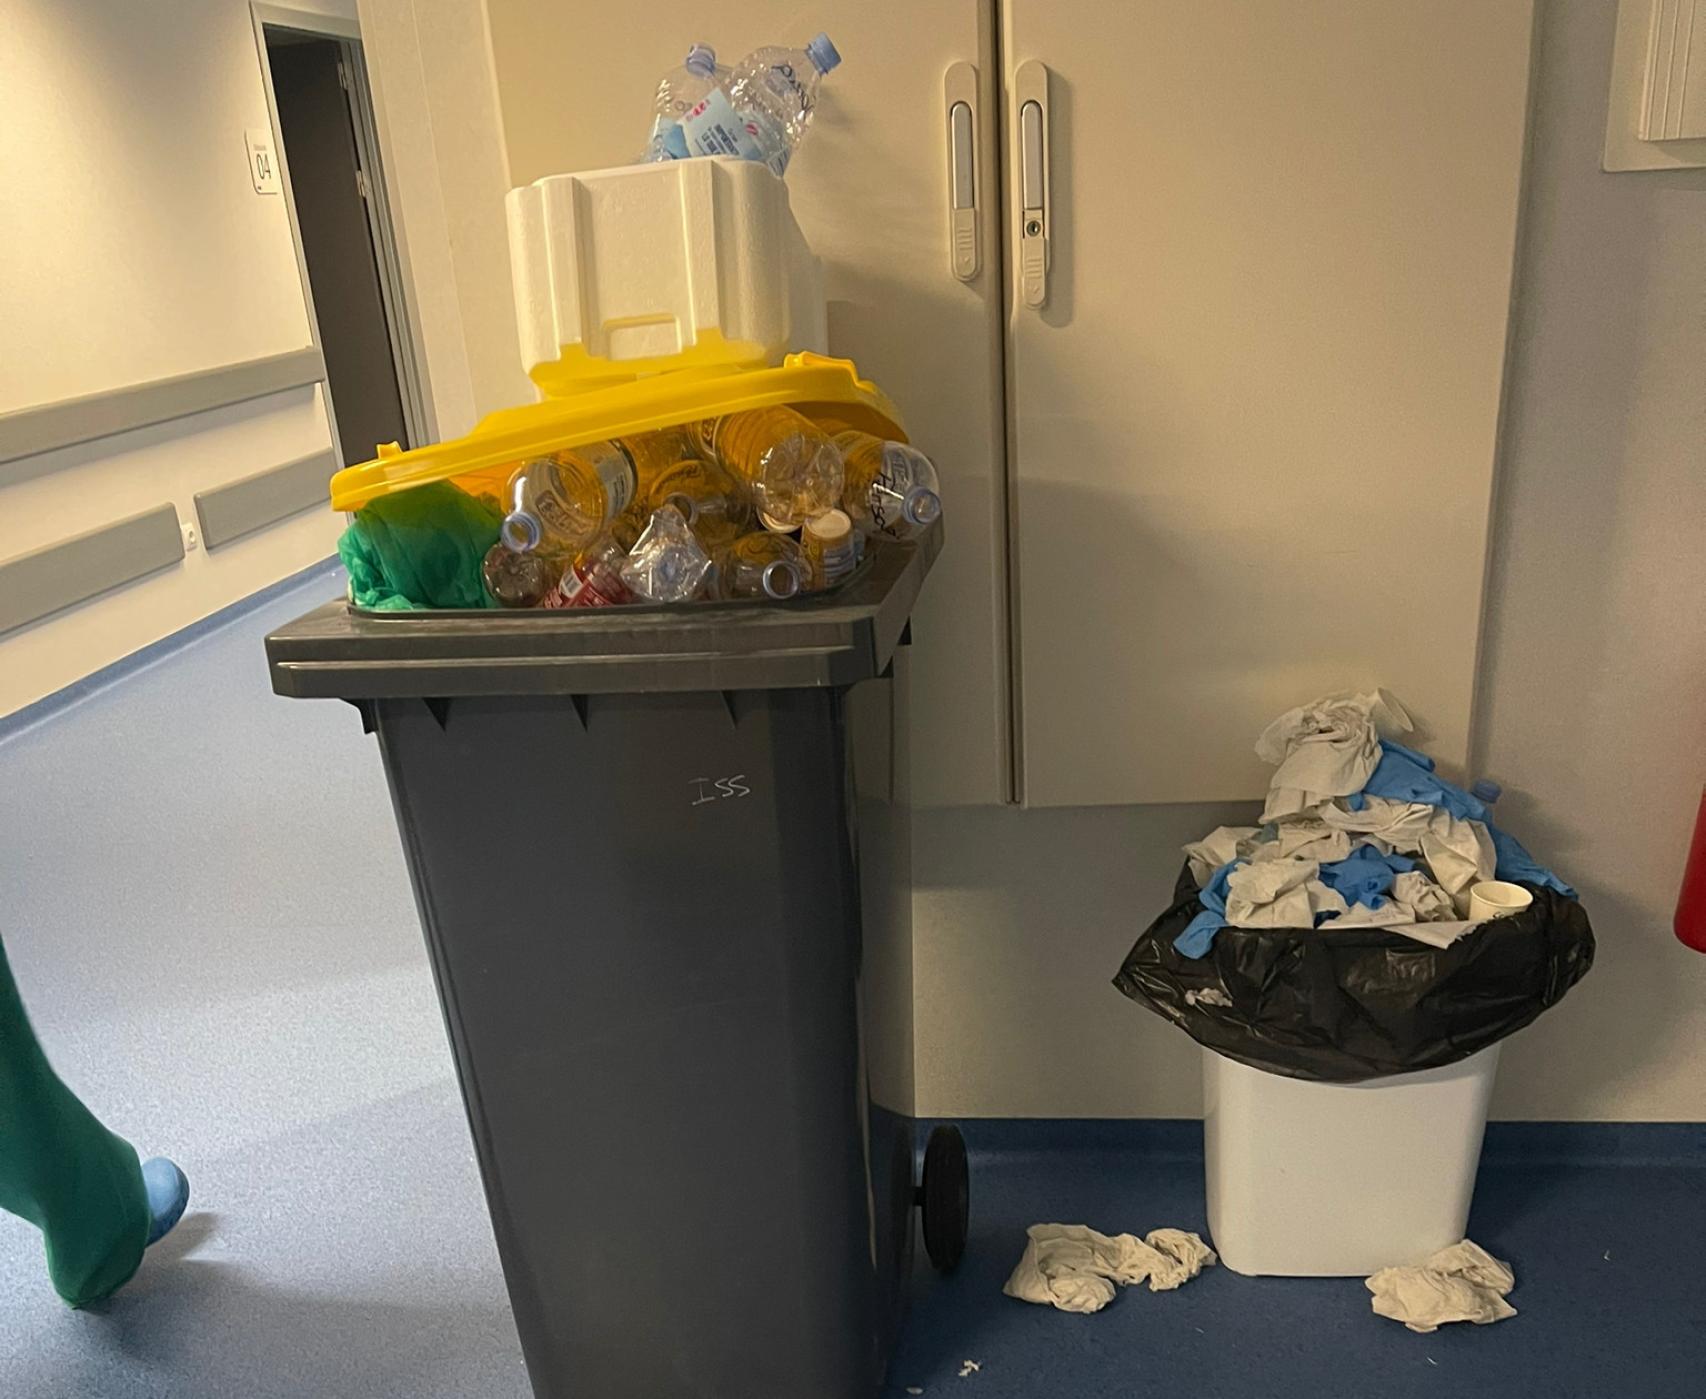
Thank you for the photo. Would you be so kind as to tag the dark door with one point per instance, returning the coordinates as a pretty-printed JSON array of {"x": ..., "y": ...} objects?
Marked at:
[{"x": 337, "y": 241}]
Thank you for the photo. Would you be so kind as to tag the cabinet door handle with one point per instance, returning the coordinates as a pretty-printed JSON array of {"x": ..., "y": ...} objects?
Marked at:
[
  {"x": 959, "y": 88},
  {"x": 1030, "y": 97}
]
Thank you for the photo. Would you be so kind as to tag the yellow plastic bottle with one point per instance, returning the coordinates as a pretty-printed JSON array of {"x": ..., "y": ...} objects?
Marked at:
[
  {"x": 888, "y": 488},
  {"x": 794, "y": 470}
]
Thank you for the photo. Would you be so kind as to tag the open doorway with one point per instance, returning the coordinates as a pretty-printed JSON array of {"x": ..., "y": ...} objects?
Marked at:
[{"x": 329, "y": 155}]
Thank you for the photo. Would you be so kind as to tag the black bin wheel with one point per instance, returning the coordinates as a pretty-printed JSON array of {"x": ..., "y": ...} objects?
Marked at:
[{"x": 945, "y": 1198}]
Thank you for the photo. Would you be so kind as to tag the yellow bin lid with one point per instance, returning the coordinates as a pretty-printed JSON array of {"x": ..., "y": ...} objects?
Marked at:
[{"x": 484, "y": 459}]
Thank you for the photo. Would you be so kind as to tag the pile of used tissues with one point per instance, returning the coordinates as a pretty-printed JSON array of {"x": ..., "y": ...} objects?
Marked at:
[{"x": 1358, "y": 831}]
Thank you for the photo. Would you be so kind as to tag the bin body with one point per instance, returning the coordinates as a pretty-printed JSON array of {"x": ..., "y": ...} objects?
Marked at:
[
  {"x": 1340, "y": 1179},
  {"x": 670, "y": 928}
]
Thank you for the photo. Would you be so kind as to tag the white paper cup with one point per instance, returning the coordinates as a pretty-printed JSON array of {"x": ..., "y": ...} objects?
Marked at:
[{"x": 1493, "y": 898}]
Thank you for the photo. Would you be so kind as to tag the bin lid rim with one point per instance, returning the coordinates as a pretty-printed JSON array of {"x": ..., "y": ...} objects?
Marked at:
[
  {"x": 803, "y": 380},
  {"x": 836, "y": 640}
]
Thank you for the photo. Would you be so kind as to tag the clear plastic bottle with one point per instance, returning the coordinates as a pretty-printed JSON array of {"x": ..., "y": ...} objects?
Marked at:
[
  {"x": 594, "y": 579},
  {"x": 678, "y": 91},
  {"x": 827, "y": 542},
  {"x": 794, "y": 470},
  {"x": 713, "y": 499},
  {"x": 667, "y": 563},
  {"x": 764, "y": 112},
  {"x": 761, "y": 565},
  {"x": 519, "y": 580},
  {"x": 560, "y": 504},
  {"x": 889, "y": 487}
]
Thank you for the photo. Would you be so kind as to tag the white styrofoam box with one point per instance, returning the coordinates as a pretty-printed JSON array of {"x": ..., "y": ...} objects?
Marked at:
[
  {"x": 633, "y": 266},
  {"x": 1340, "y": 1179}
]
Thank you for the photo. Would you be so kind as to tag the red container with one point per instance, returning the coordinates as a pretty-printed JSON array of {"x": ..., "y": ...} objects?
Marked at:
[{"x": 1691, "y": 901}]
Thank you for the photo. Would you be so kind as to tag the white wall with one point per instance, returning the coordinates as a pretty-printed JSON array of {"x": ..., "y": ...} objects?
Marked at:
[
  {"x": 135, "y": 248},
  {"x": 1591, "y": 707},
  {"x": 135, "y": 245},
  {"x": 1594, "y": 678},
  {"x": 429, "y": 62},
  {"x": 83, "y": 487}
]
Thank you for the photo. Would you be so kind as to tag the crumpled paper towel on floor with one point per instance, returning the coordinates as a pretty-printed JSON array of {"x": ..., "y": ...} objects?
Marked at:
[
  {"x": 1460, "y": 1283},
  {"x": 1074, "y": 1268}
]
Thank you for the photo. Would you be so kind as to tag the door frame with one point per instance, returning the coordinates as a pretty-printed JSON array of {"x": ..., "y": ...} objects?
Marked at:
[{"x": 402, "y": 326}]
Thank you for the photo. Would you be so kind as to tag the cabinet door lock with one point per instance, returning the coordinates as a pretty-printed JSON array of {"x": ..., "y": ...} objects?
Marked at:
[{"x": 1030, "y": 96}]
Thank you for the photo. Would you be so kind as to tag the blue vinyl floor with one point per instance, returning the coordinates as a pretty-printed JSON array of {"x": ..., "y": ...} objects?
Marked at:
[
  {"x": 204, "y": 902},
  {"x": 1606, "y": 1230}
]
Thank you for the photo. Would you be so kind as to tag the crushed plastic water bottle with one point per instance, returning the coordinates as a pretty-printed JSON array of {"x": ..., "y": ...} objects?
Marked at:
[
  {"x": 679, "y": 90},
  {"x": 764, "y": 112},
  {"x": 667, "y": 563}
]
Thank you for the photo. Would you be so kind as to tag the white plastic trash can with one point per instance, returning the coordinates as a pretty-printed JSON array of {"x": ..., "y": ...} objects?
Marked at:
[{"x": 1340, "y": 1179}]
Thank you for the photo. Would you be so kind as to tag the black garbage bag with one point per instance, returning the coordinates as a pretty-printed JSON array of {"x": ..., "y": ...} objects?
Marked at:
[{"x": 1360, "y": 1003}]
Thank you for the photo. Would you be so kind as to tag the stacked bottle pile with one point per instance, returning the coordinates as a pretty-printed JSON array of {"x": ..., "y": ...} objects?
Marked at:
[
  {"x": 759, "y": 504},
  {"x": 757, "y": 110}
]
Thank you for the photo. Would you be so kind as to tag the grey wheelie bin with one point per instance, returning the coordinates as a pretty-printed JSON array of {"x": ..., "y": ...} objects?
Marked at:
[{"x": 661, "y": 858}]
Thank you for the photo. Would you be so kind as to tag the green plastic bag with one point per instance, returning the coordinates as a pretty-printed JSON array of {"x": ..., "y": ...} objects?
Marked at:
[{"x": 420, "y": 548}]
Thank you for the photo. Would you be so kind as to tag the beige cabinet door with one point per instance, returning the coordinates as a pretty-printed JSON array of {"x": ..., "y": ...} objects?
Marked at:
[
  {"x": 870, "y": 188},
  {"x": 1254, "y": 420}
]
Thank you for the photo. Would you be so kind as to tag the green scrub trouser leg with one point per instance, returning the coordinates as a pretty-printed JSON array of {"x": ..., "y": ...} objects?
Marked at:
[{"x": 60, "y": 1169}]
